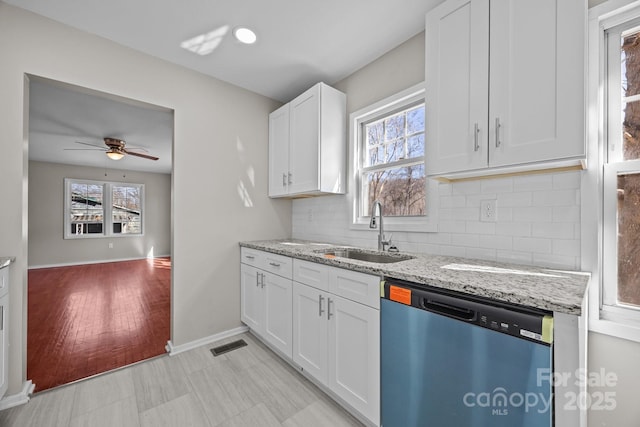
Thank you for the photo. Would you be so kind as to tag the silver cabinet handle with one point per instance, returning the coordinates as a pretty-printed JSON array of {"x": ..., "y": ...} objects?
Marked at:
[
  {"x": 274, "y": 264},
  {"x": 257, "y": 279},
  {"x": 476, "y": 133},
  {"x": 249, "y": 257},
  {"x": 262, "y": 280},
  {"x": 1, "y": 317},
  {"x": 284, "y": 179},
  {"x": 290, "y": 178},
  {"x": 320, "y": 310},
  {"x": 498, "y": 126},
  {"x": 329, "y": 308}
]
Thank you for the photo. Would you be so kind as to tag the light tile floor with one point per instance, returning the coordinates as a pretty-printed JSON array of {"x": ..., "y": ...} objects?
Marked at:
[{"x": 247, "y": 387}]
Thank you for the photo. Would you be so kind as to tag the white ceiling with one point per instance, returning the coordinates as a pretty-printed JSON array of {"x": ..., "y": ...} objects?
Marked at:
[
  {"x": 61, "y": 115},
  {"x": 299, "y": 44}
]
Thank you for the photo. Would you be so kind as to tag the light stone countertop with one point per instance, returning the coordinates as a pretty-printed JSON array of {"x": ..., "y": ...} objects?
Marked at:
[
  {"x": 5, "y": 261},
  {"x": 543, "y": 288}
]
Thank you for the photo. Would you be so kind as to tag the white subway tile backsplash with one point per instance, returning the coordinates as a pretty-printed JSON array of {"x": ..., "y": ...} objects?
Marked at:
[
  {"x": 532, "y": 213},
  {"x": 496, "y": 242},
  {"x": 500, "y": 185},
  {"x": 532, "y": 244},
  {"x": 532, "y": 182},
  {"x": 522, "y": 229},
  {"x": 556, "y": 198},
  {"x": 537, "y": 221},
  {"x": 551, "y": 230},
  {"x": 519, "y": 199}
]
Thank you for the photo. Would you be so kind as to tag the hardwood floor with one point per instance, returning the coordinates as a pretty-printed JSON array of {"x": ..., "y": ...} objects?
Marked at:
[{"x": 88, "y": 319}]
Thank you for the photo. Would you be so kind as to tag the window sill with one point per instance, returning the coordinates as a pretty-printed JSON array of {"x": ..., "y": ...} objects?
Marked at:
[{"x": 615, "y": 329}]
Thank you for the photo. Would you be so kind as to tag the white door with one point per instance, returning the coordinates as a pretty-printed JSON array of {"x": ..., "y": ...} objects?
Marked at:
[
  {"x": 278, "y": 319},
  {"x": 536, "y": 88},
  {"x": 251, "y": 301},
  {"x": 4, "y": 357},
  {"x": 305, "y": 141},
  {"x": 279, "y": 151},
  {"x": 456, "y": 82},
  {"x": 354, "y": 355},
  {"x": 310, "y": 330}
]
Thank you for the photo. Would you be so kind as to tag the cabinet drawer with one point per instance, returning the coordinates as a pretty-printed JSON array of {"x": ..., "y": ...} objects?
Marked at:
[
  {"x": 277, "y": 264},
  {"x": 251, "y": 257},
  {"x": 312, "y": 274},
  {"x": 359, "y": 287}
]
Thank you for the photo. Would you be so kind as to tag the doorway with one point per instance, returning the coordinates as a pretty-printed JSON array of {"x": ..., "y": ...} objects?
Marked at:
[{"x": 99, "y": 279}]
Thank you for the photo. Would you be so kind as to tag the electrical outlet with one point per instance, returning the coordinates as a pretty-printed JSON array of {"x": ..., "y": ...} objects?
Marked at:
[
  {"x": 488, "y": 211},
  {"x": 110, "y": 245}
]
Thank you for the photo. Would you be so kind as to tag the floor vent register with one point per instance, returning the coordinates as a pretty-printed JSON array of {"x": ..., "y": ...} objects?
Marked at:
[{"x": 225, "y": 348}]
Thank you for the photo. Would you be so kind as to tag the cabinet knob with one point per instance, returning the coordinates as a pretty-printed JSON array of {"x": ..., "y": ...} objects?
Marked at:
[{"x": 498, "y": 126}]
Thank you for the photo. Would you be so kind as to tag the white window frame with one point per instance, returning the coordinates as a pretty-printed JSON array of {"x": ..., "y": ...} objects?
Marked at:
[
  {"x": 397, "y": 102},
  {"x": 107, "y": 204},
  {"x": 599, "y": 208}
]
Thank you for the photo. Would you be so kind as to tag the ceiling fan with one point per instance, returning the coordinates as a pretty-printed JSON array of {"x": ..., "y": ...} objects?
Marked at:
[{"x": 115, "y": 149}]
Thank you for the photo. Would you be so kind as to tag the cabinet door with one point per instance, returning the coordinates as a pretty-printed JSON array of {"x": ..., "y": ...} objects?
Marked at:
[
  {"x": 310, "y": 330},
  {"x": 278, "y": 316},
  {"x": 4, "y": 357},
  {"x": 279, "y": 151},
  {"x": 304, "y": 144},
  {"x": 537, "y": 80},
  {"x": 251, "y": 301},
  {"x": 456, "y": 82},
  {"x": 354, "y": 355}
]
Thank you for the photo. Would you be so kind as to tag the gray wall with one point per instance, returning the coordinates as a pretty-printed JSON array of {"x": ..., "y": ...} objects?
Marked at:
[
  {"x": 47, "y": 247},
  {"x": 219, "y": 178}
]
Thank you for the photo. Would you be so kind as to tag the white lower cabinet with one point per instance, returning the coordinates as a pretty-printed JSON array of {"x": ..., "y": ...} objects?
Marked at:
[
  {"x": 337, "y": 340},
  {"x": 326, "y": 320},
  {"x": 265, "y": 298}
]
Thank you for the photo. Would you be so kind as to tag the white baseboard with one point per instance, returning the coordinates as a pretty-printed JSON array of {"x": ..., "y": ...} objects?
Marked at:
[
  {"x": 102, "y": 261},
  {"x": 19, "y": 398},
  {"x": 177, "y": 349}
]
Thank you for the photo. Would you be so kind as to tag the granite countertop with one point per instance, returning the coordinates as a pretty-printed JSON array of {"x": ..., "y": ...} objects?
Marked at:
[
  {"x": 543, "y": 288},
  {"x": 5, "y": 261}
]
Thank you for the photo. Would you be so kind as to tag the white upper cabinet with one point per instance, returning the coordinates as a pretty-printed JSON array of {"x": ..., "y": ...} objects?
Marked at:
[
  {"x": 307, "y": 144},
  {"x": 504, "y": 85}
]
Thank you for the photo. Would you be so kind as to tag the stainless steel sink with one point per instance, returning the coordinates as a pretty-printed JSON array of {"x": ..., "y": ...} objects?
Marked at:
[{"x": 358, "y": 254}]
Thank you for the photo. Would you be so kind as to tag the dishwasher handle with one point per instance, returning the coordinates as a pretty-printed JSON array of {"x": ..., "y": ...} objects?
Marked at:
[{"x": 450, "y": 310}]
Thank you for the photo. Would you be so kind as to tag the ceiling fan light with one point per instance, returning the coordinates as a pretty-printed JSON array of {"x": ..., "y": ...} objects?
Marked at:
[{"x": 115, "y": 154}]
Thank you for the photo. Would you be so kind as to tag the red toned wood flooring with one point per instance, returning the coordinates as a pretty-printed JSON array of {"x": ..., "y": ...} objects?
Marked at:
[{"x": 88, "y": 319}]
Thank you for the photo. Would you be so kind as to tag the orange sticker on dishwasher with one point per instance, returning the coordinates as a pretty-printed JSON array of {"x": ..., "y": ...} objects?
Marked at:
[{"x": 401, "y": 295}]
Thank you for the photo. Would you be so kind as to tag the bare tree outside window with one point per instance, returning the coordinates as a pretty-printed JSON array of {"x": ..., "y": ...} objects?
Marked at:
[
  {"x": 393, "y": 165},
  {"x": 628, "y": 185}
]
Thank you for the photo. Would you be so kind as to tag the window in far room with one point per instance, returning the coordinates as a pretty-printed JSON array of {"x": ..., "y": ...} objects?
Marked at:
[
  {"x": 102, "y": 209},
  {"x": 389, "y": 157}
]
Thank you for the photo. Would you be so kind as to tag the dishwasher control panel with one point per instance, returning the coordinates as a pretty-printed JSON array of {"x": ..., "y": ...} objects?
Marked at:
[{"x": 529, "y": 324}]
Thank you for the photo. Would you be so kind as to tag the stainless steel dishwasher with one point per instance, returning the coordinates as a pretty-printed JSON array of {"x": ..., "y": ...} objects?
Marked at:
[{"x": 453, "y": 360}]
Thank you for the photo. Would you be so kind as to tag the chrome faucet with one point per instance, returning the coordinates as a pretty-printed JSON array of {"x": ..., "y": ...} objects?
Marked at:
[{"x": 382, "y": 242}]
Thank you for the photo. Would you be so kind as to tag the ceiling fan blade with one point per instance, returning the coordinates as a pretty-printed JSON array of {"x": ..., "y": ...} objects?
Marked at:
[
  {"x": 84, "y": 149},
  {"x": 90, "y": 145},
  {"x": 144, "y": 156}
]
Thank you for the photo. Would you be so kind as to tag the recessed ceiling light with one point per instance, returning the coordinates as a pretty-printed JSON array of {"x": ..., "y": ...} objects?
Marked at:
[{"x": 245, "y": 35}]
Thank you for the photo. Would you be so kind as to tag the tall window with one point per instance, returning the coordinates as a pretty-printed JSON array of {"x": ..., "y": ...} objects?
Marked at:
[
  {"x": 389, "y": 162},
  {"x": 102, "y": 209},
  {"x": 621, "y": 169},
  {"x": 393, "y": 164}
]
